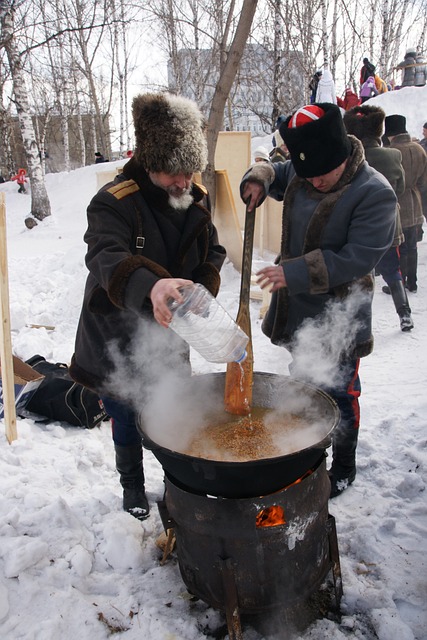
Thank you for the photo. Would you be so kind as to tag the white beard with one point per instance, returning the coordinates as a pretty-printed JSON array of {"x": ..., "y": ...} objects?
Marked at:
[{"x": 181, "y": 202}]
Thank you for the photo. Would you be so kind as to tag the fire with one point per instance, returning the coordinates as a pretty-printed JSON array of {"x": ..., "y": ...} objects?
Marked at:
[{"x": 270, "y": 517}]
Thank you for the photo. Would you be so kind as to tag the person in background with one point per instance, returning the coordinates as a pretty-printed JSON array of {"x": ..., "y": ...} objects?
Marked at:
[
  {"x": 326, "y": 88},
  {"x": 149, "y": 233},
  {"x": 99, "y": 157},
  {"x": 368, "y": 69},
  {"x": 313, "y": 85},
  {"x": 280, "y": 153},
  {"x": 21, "y": 179},
  {"x": 338, "y": 221},
  {"x": 407, "y": 65},
  {"x": 276, "y": 135},
  {"x": 380, "y": 84},
  {"x": 368, "y": 89},
  {"x": 366, "y": 122},
  {"x": 420, "y": 70},
  {"x": 423, "y": 143},
  {"x": 261, "y": 155},
  {"x": 414, "y": 161},
  {"x": 350, "y": 99}
]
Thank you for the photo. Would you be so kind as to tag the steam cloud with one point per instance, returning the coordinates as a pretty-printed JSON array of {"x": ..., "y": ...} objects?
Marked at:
[
  {"x": 154, "y": 377},
  {"x": 321, "y": 342}
]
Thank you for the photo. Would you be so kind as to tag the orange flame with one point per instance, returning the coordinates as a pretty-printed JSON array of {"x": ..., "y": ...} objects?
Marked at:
[{"x": 270, "y": 517}]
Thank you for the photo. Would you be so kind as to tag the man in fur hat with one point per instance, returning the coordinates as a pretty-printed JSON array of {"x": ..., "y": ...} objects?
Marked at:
[
  {"x": 338, "y": 221},
  {"x": 149, "y": 233},
  {"x": 367, "y": 123}
]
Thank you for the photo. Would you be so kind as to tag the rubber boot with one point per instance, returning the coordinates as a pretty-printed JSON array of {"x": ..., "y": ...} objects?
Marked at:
[
  {"x": 129, "y": 466},
  {"x": 411, "y": 273},
  {"x": 401, "y": 304}
]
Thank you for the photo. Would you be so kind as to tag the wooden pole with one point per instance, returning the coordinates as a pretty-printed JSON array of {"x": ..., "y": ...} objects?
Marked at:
[{"x": 6, "y": 358}]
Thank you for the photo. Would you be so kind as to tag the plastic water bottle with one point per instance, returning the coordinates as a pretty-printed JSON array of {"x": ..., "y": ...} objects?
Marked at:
[{"x": 202, "y": 322}]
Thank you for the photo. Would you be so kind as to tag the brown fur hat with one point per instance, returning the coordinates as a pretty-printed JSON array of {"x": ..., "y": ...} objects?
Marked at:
[
  {"x": 170, "y": 134},
  {"x": 365, "y": 121}
]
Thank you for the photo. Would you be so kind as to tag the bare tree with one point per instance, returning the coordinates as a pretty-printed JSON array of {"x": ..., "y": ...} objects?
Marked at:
[
  {"x": 216, "y": 114},
  {"x": 40, "y": 205}
]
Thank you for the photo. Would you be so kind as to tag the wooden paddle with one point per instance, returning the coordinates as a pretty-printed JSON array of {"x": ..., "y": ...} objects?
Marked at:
[{"x": 239, "y": 377}]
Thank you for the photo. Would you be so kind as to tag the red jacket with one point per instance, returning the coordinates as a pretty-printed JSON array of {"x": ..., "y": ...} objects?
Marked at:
[{"x": 350, "y": 99}]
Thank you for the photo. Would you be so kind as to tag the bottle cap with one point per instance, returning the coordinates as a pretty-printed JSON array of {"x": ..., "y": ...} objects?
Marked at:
[{"x": 242, "y": 357}]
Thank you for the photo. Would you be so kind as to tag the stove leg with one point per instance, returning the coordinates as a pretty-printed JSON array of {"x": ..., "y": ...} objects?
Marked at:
[
  {"x": 231, "y": 601},
  {"x": 335, "y": 559}
]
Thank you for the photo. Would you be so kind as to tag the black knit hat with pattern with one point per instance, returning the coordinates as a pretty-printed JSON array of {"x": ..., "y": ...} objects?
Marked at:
[{"x": 318, "y": 145}]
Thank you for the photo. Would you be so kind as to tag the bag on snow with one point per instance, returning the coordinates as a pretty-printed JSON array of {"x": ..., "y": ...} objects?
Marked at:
[{"x": 60, "y": 398}]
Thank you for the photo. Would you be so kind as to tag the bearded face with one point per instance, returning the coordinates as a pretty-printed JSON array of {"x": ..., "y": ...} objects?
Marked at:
[{"x": 178, "y": 187}]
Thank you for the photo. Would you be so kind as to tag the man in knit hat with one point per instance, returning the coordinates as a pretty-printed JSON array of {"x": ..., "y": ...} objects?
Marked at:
[
  {"x": 149, "y": 233},
  {"x": 338, "y": 220},
  {"x": 414, "y": 162}
]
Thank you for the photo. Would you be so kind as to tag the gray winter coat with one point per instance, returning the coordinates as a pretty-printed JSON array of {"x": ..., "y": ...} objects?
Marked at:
[
  {"x": 408, "y": 67},
  {"x": 420, "y": 71},
  {"x": 330, "y": 242}
]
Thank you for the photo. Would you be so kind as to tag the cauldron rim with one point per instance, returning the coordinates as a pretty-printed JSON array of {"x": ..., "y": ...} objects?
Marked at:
[{"x": 216, "y": 477}]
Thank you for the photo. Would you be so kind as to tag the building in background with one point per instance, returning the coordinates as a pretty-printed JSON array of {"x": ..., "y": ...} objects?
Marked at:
[{"x": 195, "y": 73}]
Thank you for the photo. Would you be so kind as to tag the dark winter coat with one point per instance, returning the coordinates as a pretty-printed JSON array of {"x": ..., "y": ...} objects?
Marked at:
[
  {"x": 388, "y": 162},
  {"x": 366, "y": 122},
  {"x": 367, "y": 70},
  {"x": 135, "y": 238},
  {"x": 414, "y": 161},
  {"x": 330, "y": 243}
]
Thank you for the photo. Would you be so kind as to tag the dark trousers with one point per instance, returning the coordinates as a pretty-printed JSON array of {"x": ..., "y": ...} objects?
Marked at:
[
  {"x": 123, "y": 422},
  {"x": 346, "y": 394},
  {"x": 389, "y": 265}
]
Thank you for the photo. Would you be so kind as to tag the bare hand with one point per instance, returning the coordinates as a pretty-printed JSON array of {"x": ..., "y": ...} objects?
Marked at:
[
  {"x": 252, "y": 193},
  {"x": 161, "y": 292},
  {"x": 273, "y": 277}
]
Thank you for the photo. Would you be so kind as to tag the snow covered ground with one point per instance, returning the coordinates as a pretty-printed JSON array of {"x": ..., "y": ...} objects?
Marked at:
[{"x": 74, "y": 565}]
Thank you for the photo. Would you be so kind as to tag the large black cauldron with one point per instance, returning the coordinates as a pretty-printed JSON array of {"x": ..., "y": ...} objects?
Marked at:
[{"x": 254, "y": 477}]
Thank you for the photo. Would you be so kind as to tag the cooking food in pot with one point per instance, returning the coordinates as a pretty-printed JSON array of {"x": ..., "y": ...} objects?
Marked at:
[{"x": 262, "y": 434}]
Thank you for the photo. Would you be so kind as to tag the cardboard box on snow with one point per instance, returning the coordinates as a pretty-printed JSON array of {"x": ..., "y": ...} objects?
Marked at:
[{"x": 26, "y": 380}]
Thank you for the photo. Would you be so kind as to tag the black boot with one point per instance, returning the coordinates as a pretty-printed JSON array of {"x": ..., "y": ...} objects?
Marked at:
[
  {"x": 129, "y": 466},
  {"x": 403, "y": 263},
  {"x": 411, "y": 274},
  {"x": 343, "y": 469},
  {"x": 401, "y": 303}
]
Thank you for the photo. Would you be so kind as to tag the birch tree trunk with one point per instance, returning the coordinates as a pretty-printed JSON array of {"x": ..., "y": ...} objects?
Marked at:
[
  {"x": 40, "y": 205},
  {"x": 277, "y": 53},
  {"x": 324, "y": 34}
]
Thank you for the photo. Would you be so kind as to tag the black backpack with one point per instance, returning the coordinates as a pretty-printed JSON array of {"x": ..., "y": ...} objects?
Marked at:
[{"x": 60, "y": 398}]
